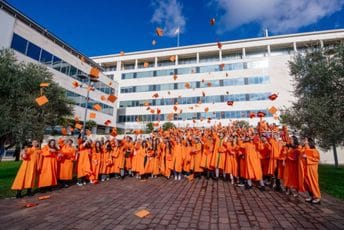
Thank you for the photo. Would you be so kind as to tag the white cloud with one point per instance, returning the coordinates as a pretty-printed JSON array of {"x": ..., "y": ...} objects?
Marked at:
[
  {"x": 278, "y": 15},
  {"x": 168, "y": 15}
]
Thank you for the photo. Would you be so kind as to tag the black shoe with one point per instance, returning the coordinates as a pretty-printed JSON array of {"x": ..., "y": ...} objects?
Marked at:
[
  {"x": 29, "y": 192},
  {"x": 247, "y": 187},
  {"x": 18, "y": 195},
  {"x": 262, "y": 188}
]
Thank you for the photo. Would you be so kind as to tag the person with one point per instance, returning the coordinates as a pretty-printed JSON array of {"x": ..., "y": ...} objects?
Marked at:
[
  {"x": 312, "y": 157},
  {"x": 84, "y": 170},
  {"x": 47, "y": 166},
  {"x": 96, "y": 156},
  {"x": 106, "y": 161},
  {"x": 291, "y": 169},
  {"x": 26, "y": 175},
  {"x": 65, "y": 162}
]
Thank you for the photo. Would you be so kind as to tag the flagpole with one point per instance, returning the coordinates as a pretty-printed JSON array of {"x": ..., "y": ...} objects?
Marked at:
[{"x": 178, "y": 36}]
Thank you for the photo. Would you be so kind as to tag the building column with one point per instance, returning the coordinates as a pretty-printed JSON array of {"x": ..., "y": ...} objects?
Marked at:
[
  {"x": 156, "y": 62},
  {"x": 136, "y": 64},
  {"x": 295, "y": 48},
  {"x": 197, "y": 57},
  {"x": 176, "y": 62},
  {"x": 321, "y": 43},
  {"x": 269, "y": 50},
  {"x": 243, "y": 53},
  {"x": 119, "y": 66},
  {"x": 220, "y": 54}
]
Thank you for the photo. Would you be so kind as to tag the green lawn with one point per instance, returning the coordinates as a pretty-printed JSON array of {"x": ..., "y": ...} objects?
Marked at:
[
  {"x": 8, "y": 171},
  {"x": 332, "y": 180}
]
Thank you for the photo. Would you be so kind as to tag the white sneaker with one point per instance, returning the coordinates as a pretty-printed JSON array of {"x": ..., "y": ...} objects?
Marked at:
[
  {"x": 316, "y": 201},
  {"x": 103, "y": 180},
  {"x": 84, "y": 183},
  {"x": 179, "y": 177},
  {"x": 79, "y": 184},
  {"x": 107, "y": 178},
  {"x": 175, "y": 178},
  {"x": 309, "y": 199}
]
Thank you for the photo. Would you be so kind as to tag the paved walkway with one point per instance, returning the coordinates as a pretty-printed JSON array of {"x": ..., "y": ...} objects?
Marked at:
[{"x": 200, "y": 204}]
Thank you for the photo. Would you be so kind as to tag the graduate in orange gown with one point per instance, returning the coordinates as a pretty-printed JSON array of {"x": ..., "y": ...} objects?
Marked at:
[
  {"x": 186, "y": 154},
  {"x": 208, "y": 147},
  {"x": 291, "y": 169},
  {"x": 196, "y": 156},
  {"x": 96, "y": 156},
  {"x": 106, "y": 161},
  {"x": 177, "y": 158},
  {"x": 139, "y": 158},
  {"x": 219, "y": 155},
  {"x": 231, "y": 165},
  {"x": 26, "y": 175},
  {"x": 84, "y": 170},
  {"x": 312, "y": 157},
  {"x": 65, "y": 162},
  {"x": 168, "y": 157},
  {"x": 47, "y": 166},
  {"x": 252, "y": 163}
]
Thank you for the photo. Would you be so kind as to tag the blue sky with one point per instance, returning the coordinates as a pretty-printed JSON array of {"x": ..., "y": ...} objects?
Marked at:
[{"x": 110, "y": 26}]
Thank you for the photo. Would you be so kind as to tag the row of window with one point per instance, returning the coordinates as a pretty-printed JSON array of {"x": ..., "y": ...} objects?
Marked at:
[
  {"x": 198, "y": 84},
  {"x": 199, "y": 69},
  {"x": 195, "y": 100},
  {"x": 81, "y": 101},
  {"x": 31, "y": 50},
  {"x": 191, "y": 116}
]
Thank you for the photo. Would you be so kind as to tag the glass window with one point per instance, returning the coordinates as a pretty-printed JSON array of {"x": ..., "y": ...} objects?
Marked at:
[
  {"x": 65, "y": 68},
  {"x": 33, "y": 51},
  {"x": 73, "y": 72},
  {"x": 57, "y": 63},
  {"x": 19, "y": 44},
  {"x": 46, "y": 57},
  {"x": 144, "y": 74},
  {"x": 165, "y": 72}
]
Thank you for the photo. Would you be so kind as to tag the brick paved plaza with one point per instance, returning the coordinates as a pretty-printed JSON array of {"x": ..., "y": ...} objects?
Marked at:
[{"x": 199, "y": 204}]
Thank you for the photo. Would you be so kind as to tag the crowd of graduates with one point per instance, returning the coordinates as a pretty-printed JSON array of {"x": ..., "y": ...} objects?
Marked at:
[{"x": 260, "y": 156}]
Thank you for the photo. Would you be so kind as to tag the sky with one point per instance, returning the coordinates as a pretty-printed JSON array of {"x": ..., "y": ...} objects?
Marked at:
[{"x": 109, "y": 26}]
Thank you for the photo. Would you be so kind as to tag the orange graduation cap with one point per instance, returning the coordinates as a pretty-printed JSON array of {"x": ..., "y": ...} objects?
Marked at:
[
  {"x": 82, "y": 58},
  {"x": 146, "y": 103},
  {"x": 252, "y": 115},
  {"x": 202, "y": 80},
  {"x": 175, "y": 108},
  {"x": 168, "y": 92},
  {"x": 121, "y": 53},
  {"x": 42, "y": 100},
  {"x": 112, "y": 98},
  {"x": 222, "y": 66},
  {"x": 273, "y": 96},
  {"x": 156, "y": 95},
  {"x": 97, "y": 107},
  {"x": 78, "y": 126},
  {"x": 175, "y": 77},
  {"x": 145, "y": 64},
  {"x": 152, "y": 111},
  {"x": 156, "y": 124},
  {"x": 102, "y": 97},
  {"x": 219, "y": 45},
  {"x": 227, "y": 92},
  {"x": 273, "y": 110},
  {"x": 64, "y": 131},
  {"x": 148, "y": 108},
  {"x": 181, "y": 111},
  {"x": 227, "y": 74},
  {"x": 203, "y": 93},
  {"x": 230, "y": 103},
  {"x": 158, "y": 111},
  {"x": 206, "y": 109},
  {"x": 107, "y": 122},
  {"x": 113, "y": 132},
  {"x": 44, "y": 84},
  {"x": 75, "y": 84},
  {"x": 212, "y": 21},
  {"x": 187, "y": 85},
  {"x": 159, "y": 32},
  {"x": 76, "y": 119},
  {"x": 261, "y": 114},
  {"x": 44, "y": 197},
  {"x": 92, "y": 115},
  {"x": 209, "y": 84},
  {"x": 170, "y": 116},
  {"x": 94, "y": 72}
]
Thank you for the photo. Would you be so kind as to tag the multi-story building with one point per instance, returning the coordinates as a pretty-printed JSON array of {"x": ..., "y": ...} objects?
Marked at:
[
  {"x": 191, "y": 85},
  {"x": 33, "y": 43}
]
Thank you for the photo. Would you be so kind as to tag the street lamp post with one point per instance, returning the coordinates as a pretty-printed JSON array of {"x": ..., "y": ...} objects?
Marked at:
[{"x": 86, "y": 105}]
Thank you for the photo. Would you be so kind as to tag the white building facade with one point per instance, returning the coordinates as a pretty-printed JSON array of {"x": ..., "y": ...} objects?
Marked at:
[
  {"x": 191, "y": 85},
  {"x": 33, "y": 43}
]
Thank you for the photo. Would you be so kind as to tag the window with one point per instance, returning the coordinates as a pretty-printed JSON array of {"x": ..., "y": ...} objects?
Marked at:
[
  {"x": 46, "y": 57},
  {"x": 57, "y": 63},
  {"x": 65, "y": 68},
  {"x": 33, "y": 51},
  {"x": 19, "y": 44}
]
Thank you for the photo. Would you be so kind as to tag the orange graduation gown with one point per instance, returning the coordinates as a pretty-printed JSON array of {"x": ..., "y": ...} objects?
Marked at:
[
  {"x": 65, "y": 164},
  {"x": 48, "y": 168},
  {"x": 311, "y": 175},
  {"x": 26, "y": 174}
]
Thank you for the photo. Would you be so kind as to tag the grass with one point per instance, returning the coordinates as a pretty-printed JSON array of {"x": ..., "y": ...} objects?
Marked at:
[
  {"x": 8, "y": 171},
  {"x": 331, "y": 180}
]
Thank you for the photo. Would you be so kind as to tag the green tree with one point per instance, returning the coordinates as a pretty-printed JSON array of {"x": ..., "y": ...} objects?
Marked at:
[
  {"x": 319, "y": 88},
  {"x": 20, "y": 117},
  {"x": 149, "y": 127},
  {"x": 168, "y": 125}
]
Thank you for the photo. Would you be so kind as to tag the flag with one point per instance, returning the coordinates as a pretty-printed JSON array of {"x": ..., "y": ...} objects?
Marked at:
[{"x": 177, "y": 31}]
